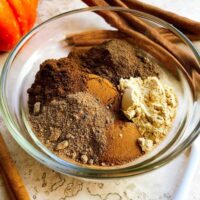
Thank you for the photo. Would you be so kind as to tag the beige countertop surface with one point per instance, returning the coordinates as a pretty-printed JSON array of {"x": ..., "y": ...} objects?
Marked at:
[{"x": 45, "y": 184}]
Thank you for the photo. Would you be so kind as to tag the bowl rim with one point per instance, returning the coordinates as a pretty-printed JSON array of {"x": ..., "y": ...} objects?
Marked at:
[{"x": 72, "y": 169}]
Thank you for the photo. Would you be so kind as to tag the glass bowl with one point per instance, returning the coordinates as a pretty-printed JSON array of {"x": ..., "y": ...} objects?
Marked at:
[{"x": 48, "y": 41}]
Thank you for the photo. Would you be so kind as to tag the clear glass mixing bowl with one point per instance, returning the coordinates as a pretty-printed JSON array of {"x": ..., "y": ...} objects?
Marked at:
[{"x": 48, "y": 41}]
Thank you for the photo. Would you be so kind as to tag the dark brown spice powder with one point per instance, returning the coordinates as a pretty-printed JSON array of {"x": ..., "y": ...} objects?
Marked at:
[
  {"x": 115, "y": 59},
  {"x": 56, "y": 78}
]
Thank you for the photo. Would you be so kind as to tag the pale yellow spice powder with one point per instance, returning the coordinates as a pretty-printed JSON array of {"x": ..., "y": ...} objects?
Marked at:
[{"x": 151, "y": 105}]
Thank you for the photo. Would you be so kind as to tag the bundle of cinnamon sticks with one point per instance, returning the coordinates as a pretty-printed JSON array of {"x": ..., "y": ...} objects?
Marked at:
[
  {"x": 189, "y": 27},
  {"x": 158, "y": 42}
]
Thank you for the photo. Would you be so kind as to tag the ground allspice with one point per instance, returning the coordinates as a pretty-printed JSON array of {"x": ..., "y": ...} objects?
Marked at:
[{"x": 74, "y": 127}]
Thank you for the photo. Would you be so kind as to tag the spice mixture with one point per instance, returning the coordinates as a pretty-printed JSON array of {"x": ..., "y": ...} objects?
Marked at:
[{"x": 75, "y": 104}]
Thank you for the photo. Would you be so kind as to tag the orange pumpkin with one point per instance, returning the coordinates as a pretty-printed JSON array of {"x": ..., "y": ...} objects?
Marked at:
[{"x": 16, "y": 19}]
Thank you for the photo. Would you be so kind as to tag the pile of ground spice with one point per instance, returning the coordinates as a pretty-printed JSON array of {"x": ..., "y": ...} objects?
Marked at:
[
  {"x": 74, "y": 127},
  {"x": 122, "y": 146},
  {"x": 115, "y": 59},
  {"x": 56, "y": 78},
  {"x": 151, "y": 105}
]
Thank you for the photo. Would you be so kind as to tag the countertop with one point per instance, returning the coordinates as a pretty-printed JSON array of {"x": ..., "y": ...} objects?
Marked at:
[{"x": 45, "y": 184}]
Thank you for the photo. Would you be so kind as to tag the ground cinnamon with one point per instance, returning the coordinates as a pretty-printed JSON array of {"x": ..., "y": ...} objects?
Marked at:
[
  {"x": 105, "y": 91},
  {"x": 122, "y": 143}
]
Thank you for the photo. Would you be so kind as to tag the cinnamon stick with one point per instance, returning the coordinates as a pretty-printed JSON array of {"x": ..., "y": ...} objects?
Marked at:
[
  {"x": 80, "y": 48},
  {"x": 10, "y": 193},
  {"x": 115, "y": 20},
  {"x": 138, "y": 24},
  {"x": 144, "y": 28},
  {"x": 89, "y": 42},
  {"x": 11, "y": 175},
  {"x": 168, "y": 34},
  {"x": 182, "y": 23},
  {"x": 96, "y": 37},
  {"x": 175, "y": 39},
  {"x": 93, "y": 37},
  {"x": 162, "y": 30}
]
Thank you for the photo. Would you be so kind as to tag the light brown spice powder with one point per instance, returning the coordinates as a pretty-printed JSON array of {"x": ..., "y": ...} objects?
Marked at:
[{"x": 74, "y": 127}]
